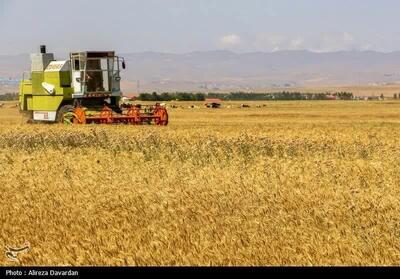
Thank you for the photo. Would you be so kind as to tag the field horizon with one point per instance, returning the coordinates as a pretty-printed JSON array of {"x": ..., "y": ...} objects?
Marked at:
[{"x": 363, "y": 90}]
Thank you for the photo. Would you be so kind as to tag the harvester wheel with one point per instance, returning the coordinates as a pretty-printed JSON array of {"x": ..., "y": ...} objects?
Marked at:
[
  {"x": 65, "y": 114},
  {"x": 68, "y": 114},
  {"x": 161, "y": 116},
  {"x": 79, "y": 116}
]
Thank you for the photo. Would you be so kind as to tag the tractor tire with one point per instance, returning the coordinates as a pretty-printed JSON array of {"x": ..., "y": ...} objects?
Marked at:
[{"x": 62, "y": 112}]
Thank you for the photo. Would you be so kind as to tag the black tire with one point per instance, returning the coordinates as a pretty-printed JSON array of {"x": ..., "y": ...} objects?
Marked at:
[{"x": 62, "y": 111}]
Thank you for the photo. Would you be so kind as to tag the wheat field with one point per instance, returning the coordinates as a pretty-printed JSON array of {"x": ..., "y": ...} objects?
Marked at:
[{"x": 288, "y": 183}]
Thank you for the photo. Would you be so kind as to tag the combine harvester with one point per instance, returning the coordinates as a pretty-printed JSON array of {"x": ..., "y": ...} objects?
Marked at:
[{"x": 82, "y": 90}]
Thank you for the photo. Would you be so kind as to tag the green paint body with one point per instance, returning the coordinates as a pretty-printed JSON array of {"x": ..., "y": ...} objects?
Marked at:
[
  {"x": 51, "y": 83},
  {"x": 33, "y": 96}
]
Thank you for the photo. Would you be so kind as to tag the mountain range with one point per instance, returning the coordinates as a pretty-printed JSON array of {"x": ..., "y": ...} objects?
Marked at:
[{"x": 226, "y": 70}]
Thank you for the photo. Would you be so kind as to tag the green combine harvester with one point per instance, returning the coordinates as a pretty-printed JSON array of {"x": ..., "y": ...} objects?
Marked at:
[{"x": 82, "y": 90}]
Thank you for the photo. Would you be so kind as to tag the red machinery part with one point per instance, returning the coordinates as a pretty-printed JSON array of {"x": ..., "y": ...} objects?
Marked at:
[
  {"x": 79, "y": 116},
  {"x": 161, "y": 115},
  {"x": 134, "y": 116}
]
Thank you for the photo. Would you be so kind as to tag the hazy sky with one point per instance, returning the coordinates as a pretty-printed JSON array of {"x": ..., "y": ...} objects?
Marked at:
[{"x": 193, "y": 25}]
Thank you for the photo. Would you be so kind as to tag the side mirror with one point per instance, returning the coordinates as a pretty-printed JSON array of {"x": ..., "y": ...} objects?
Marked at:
[{"x": 123, "y": 65}]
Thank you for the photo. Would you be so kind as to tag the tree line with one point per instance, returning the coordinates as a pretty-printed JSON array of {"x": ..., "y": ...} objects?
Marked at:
[
  {"x": 9, "y": 97},
  {"x": 243, "y": 96},
  {"x": 234, "y": 96}
]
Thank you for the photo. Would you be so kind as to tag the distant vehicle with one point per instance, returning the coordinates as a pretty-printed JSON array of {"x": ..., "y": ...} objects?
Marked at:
[{"x": 213, "y": 103}]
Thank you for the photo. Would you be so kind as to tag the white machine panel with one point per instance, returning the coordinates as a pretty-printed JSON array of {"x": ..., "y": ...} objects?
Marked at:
[
  {"x": 44, "y": 115},
  {"x": 58, "y": 66},
  {"x": 76, "y": 75},
  {"x": 40, "y": 61}
]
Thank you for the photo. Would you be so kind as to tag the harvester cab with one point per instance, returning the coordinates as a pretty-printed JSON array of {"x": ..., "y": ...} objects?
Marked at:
[
  {"x": 95, "y": 73},
  {"x": 82, "y": 90}
]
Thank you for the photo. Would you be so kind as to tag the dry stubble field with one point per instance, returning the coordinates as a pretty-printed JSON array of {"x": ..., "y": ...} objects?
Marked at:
[{"x": 292, "y": 183}]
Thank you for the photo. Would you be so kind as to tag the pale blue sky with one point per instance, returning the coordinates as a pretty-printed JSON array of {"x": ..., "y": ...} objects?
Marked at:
[{"x": 194, "y": 25}]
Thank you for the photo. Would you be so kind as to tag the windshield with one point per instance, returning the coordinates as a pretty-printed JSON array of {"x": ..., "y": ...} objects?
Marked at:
[{"x": 97, "y": 75}]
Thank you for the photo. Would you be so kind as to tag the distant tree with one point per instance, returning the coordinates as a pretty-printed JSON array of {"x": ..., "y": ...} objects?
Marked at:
[
  {"x": 199, "y": 97},
  {"x": 9, "y": 97},
  {"x": 241, "y": 96},
  {"x": 344, "y": 95},
  {"x": 154, "y": 96}
]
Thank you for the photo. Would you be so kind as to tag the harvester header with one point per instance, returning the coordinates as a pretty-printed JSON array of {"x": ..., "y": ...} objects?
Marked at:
[{"x": 84, "y": 89}]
